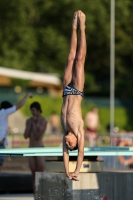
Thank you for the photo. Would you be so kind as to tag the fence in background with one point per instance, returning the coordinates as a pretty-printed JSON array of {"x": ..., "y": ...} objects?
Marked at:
[{"x": 18, "y": 141}]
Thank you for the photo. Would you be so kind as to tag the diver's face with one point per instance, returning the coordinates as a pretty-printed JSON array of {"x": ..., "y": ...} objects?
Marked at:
[{"x": 71, "y": 140}]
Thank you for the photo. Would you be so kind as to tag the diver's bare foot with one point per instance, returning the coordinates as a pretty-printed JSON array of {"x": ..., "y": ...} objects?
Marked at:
[
  {"x": 74, "y": 23},
  {"x": 81, "y": 18}
]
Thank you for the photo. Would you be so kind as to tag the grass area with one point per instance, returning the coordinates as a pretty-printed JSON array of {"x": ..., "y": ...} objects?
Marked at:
[{"x": 122, "y": 115}]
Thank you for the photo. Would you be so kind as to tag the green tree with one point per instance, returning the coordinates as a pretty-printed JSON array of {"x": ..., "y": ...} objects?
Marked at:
[
  {"x": 17, "y": 37},
  {"x": 35, "y": 36}
]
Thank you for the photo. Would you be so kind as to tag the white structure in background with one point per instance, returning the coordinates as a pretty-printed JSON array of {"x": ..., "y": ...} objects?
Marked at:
[
  {"x": 40, "y": 81},
  {"x": 49, "y": 81}
]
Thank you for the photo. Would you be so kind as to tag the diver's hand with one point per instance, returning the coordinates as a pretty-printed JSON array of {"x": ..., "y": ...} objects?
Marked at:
[
  {"x": 69, "y": 175},
  {"x": 74, "y": 177}
]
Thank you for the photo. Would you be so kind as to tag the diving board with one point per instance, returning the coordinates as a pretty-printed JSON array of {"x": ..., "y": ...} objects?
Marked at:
[{"x": 57, "y": 151}]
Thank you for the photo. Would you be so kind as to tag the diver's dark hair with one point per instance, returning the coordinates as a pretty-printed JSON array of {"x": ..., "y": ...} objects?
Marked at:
[
  {"x": 75, "y": 148},
  {"x": 5, "y": 104},
  {"x": 36, "y": 105}
]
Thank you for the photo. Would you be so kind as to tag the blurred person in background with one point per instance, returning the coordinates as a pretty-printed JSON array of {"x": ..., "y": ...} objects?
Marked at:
[
  {"x": 92, "y": 124},
  {"x": 54, "y": 121},
  {"x": 6, "y": 109},
  {"x": 126, "y": 161},
  {"x": 115, "y": 136},
  {"x": 35, "y": 130}
]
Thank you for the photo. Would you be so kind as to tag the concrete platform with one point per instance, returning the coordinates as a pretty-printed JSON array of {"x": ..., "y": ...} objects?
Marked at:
[{"x": 92, "y": 186}]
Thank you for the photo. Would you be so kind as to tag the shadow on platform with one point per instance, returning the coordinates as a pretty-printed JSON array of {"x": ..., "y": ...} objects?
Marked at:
[{"x": 15, "y": 176}]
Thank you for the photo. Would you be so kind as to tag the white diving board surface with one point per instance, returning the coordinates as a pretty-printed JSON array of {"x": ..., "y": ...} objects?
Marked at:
[{"x": 57, "y": 151}]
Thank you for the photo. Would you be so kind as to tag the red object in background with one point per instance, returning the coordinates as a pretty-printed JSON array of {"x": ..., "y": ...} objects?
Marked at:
[{"x": 105, "y": 198}]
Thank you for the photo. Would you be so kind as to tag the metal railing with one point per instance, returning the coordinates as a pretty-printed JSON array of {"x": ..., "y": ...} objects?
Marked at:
[{"x": 102, "y": 148}]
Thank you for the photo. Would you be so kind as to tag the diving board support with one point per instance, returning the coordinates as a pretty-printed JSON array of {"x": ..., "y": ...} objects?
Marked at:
[{"x": 87, "y": 166}]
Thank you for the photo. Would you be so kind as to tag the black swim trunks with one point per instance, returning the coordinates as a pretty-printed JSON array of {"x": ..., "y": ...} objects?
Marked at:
[{"x": 71, "y": 90}]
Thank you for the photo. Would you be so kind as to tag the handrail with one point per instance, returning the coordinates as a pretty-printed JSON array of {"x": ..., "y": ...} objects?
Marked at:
[{"x": 57, "y": 151}]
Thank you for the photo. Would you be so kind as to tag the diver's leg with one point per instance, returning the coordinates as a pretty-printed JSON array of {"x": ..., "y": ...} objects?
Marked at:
[
  {"x": 72, "y": 53},
  {"x": 78, "y": 75}
]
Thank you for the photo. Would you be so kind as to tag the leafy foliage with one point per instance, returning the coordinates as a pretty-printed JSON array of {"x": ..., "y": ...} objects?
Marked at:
[
  {"x": 35, "y": 36},
  {"x": 49, "y": 105}
]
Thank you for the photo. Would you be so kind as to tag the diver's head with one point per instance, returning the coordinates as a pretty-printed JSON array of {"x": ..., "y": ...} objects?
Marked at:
[{"x": 71, "y": 141}]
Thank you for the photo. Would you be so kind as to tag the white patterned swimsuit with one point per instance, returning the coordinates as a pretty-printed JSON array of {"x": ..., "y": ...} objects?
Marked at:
[{"x": 71, "y": 90}]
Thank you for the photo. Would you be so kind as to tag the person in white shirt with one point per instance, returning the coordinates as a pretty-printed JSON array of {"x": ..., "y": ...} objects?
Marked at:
[{"x": 6, "y": 109}]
